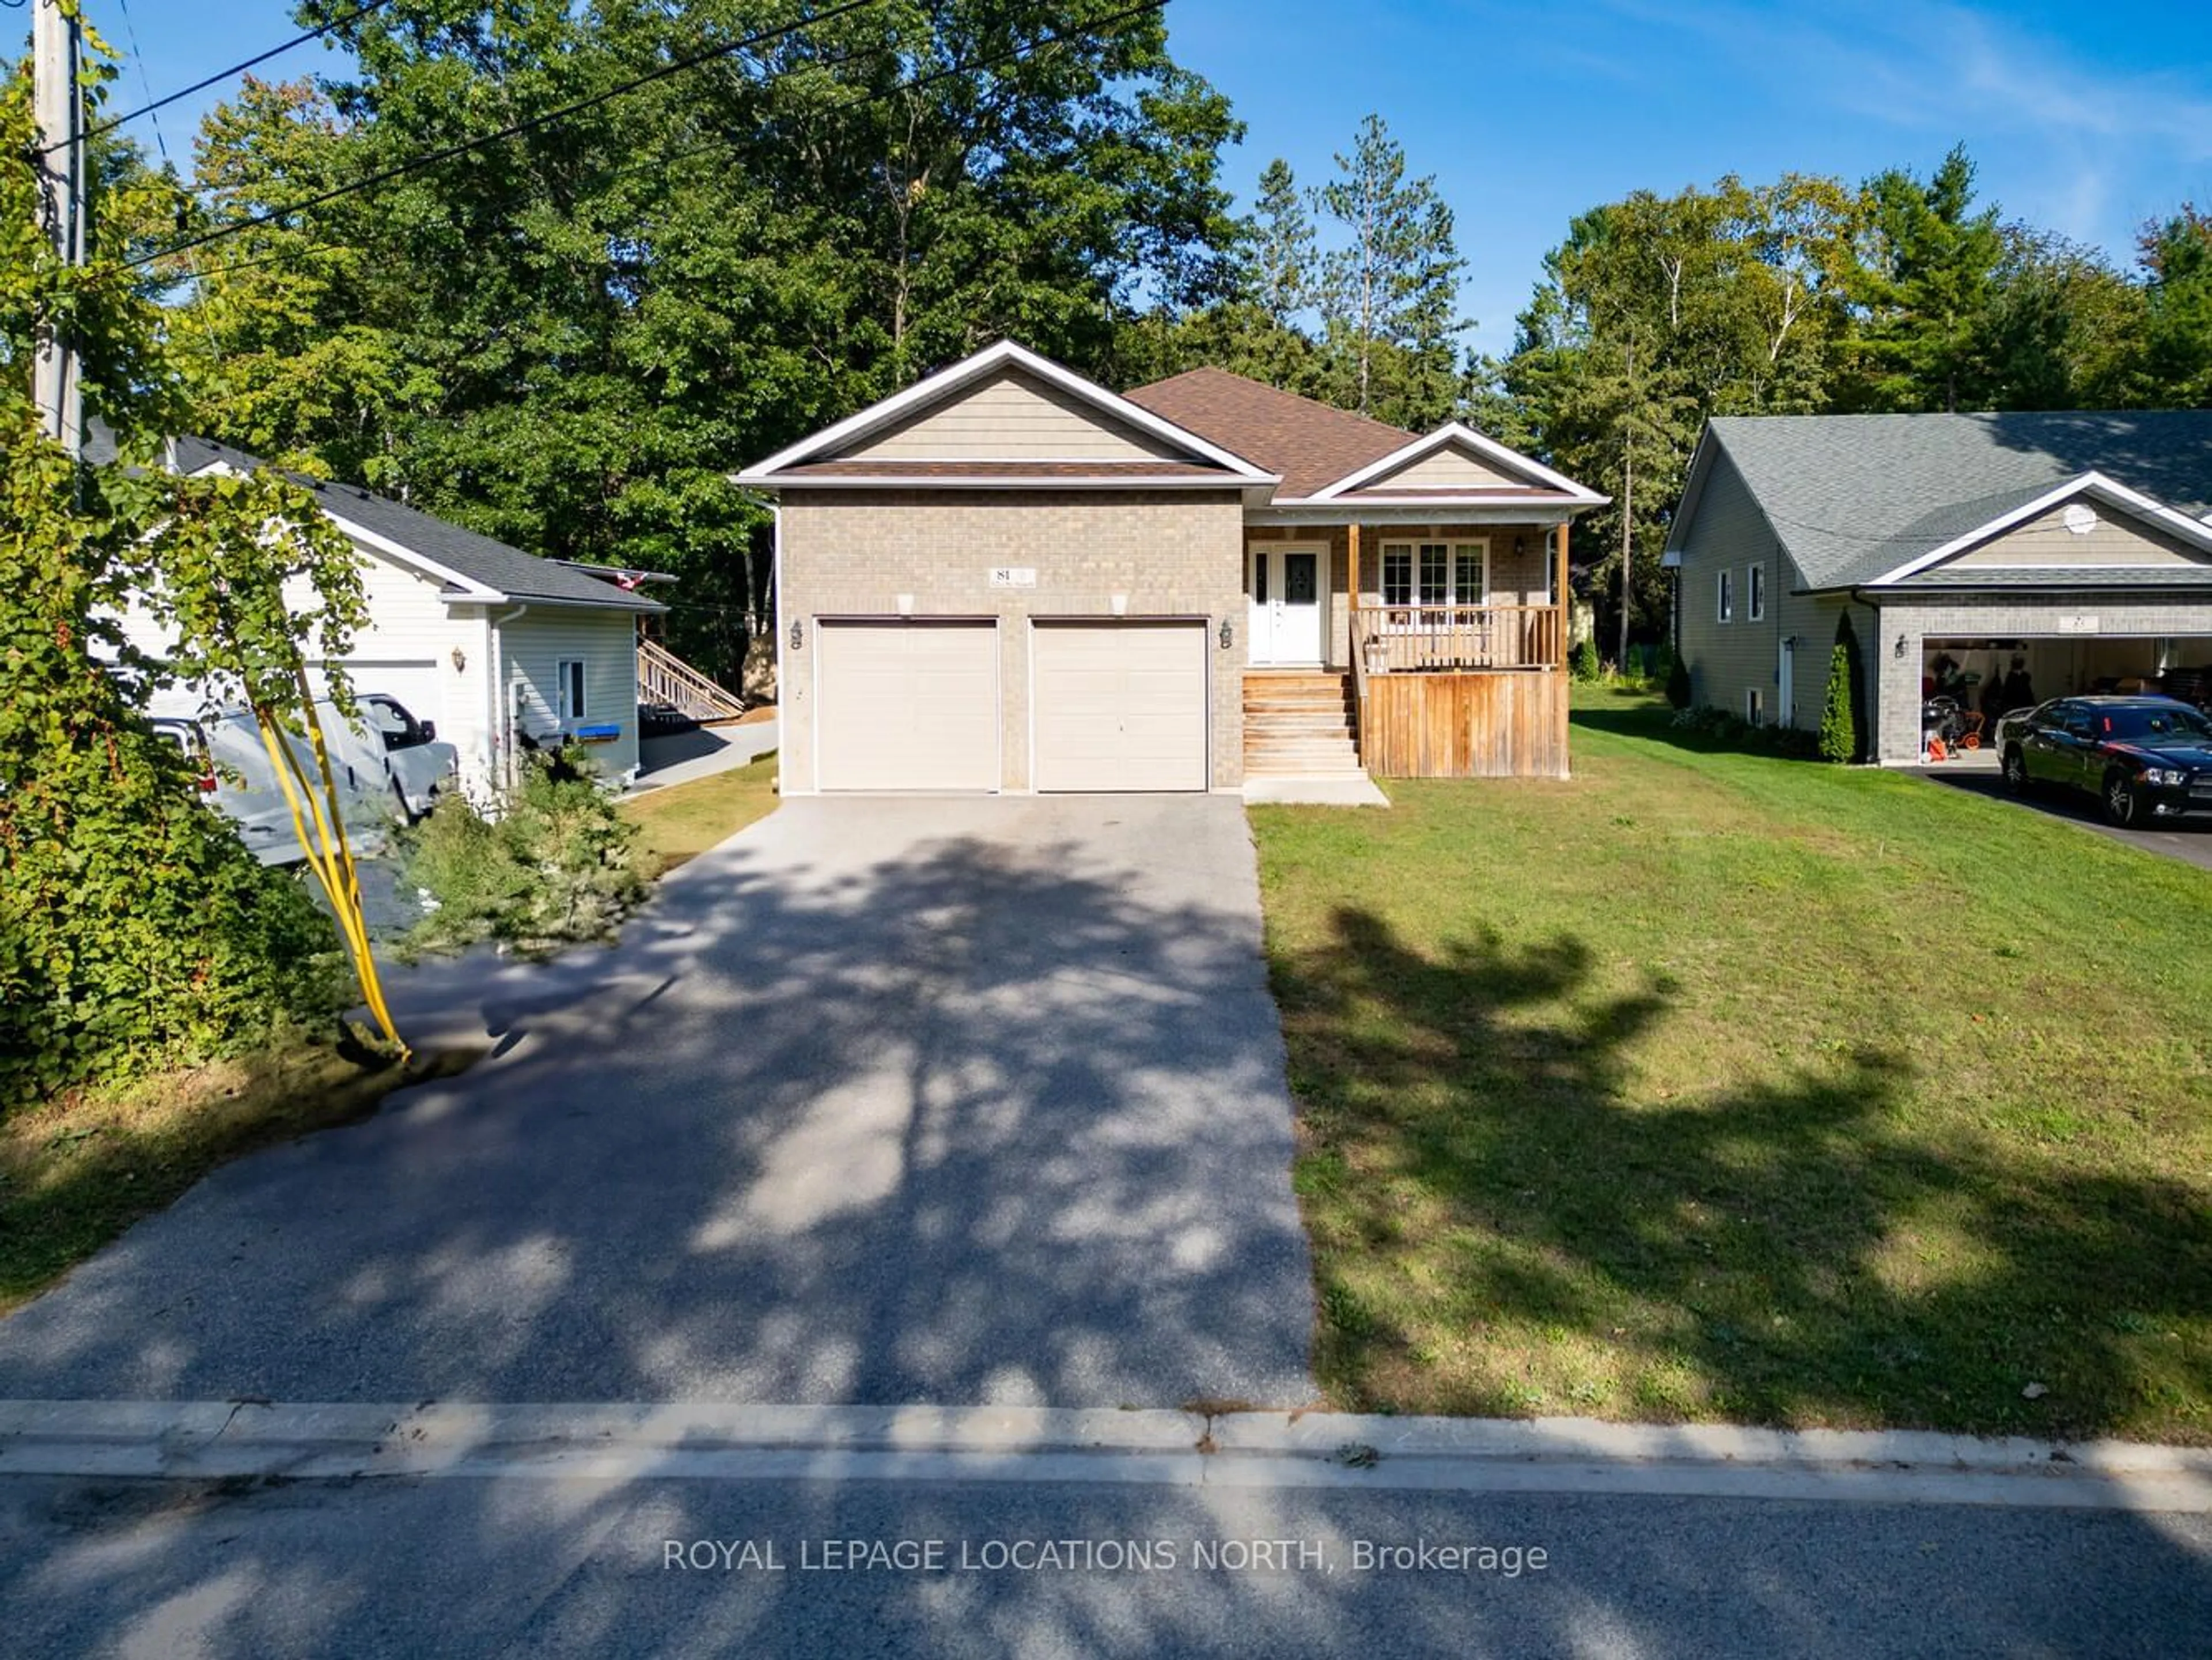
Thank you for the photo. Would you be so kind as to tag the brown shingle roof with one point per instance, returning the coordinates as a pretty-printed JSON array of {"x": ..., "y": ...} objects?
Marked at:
[
  {"x": 864, "y": 468},
  {"x": 1312, "y": 444}
]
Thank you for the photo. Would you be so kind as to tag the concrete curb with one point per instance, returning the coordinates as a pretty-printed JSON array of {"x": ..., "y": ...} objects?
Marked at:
[{"x": 216, "y": 1440}]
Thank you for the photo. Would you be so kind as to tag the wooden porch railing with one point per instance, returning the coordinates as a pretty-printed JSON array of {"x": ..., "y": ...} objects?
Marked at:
[
  {"x": 664, "y": 677},
  {"x": 1430, "y": 639}
]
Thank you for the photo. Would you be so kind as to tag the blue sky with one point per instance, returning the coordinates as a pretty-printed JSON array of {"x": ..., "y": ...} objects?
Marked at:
[{"x": 2084, "y": 118}]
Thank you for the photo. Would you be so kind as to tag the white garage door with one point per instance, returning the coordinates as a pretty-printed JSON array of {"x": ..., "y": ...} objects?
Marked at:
[
  {"x": 908, "y": 705},
  {"x": 1120, "y": 706}
]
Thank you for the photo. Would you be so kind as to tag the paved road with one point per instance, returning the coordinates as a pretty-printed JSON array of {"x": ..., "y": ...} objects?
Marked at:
[
  {"x": 403, "y": 1568},
  {"x": 2190, "y": 841},
  {"x": 927, "y": 1100}
]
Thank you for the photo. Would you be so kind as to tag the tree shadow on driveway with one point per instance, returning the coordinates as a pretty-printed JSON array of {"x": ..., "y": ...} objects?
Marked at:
[{"x": 880, "y": 1102}]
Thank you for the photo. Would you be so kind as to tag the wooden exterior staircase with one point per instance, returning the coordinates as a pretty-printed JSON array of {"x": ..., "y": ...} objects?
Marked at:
[
  {"x": 664, "y": 677},
  {"x": 1299, "y": 725}
]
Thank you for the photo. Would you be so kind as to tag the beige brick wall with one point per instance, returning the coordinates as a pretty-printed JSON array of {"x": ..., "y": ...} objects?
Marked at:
[{"x": 1166, "y": 553}]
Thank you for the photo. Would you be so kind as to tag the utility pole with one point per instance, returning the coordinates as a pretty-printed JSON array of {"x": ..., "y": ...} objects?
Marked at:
[{"x": 57, "y": 48}]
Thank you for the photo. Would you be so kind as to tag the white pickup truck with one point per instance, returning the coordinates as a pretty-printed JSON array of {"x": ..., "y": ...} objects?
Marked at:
[{"x": 388, "y": 766}]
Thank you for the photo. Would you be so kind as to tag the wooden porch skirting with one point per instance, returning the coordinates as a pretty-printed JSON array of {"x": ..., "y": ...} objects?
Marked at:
[{"x": 1504, "y": 724}]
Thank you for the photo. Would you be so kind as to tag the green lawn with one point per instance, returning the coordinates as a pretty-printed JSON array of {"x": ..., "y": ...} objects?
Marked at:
[
  {"x": 684, "y": 820},
  {"x": 76, "y": 1170},
  {"x": 1713, "y": 1086}
]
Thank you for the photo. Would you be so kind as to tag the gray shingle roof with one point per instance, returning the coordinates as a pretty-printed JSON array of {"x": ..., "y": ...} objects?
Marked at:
[
  {"x": 479, "y": 559},
  {"x": 1854, "y": 496}
]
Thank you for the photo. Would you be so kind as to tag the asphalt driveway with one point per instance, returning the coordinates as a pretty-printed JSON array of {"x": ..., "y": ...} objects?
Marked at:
[
  {"x": 883, "y": 1101},
  {"x": 2189, "y": 841}
]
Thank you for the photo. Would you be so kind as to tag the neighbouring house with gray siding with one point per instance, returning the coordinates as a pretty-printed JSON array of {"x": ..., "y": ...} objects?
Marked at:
[
  {"x": 491, "y": 643},
  {"x": 2070, "y": 548}
]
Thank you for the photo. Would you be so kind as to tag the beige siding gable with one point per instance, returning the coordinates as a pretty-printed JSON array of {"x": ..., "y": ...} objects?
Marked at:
[
  {"x": 1011, "y": 417},
  {"x": 2115, "y": 540},
  {"x": 1452, "y": 467}
]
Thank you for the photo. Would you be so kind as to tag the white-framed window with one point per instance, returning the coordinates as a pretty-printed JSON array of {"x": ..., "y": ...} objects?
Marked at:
[
  {"x": 1754, "y": 706},
  {"x": 1726, "y": 608},
  {"x": 1754, "y": 587},
  {"x": 569, "y": 689},
  {"x": 1398, "y": 575},
  {"x": 1435, "y": 573}
]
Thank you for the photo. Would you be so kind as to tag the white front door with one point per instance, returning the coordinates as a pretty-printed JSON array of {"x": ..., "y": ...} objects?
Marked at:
[
  {"x": 1288, "y": 603},
  {"x": 1785, "y": 689}
]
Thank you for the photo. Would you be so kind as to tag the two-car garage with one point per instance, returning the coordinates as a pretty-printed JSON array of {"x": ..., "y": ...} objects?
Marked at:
[{"x": 1112, "y": 704}]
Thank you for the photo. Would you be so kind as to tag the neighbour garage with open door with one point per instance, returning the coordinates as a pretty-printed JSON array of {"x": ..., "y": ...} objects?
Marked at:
[
  {"x": 1119, "y": 704},
  {"x": 908, "y": 704}
]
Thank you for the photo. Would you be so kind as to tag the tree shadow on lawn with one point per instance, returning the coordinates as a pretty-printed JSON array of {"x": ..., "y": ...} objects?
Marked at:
[{"x": 1810, "y": 1251}]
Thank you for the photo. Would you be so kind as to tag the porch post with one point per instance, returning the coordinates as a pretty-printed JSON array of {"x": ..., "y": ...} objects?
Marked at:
[
  {"x": 1560, "y": 735},
  {"x": 1351, "y": 566},
  {"x": 1559, "y": 596}
]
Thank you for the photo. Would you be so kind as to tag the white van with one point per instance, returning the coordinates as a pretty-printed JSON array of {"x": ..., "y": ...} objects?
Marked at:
[{"x": 378, "y": 785}]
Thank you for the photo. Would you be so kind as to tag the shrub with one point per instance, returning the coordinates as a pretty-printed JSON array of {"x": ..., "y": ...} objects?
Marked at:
[
  {"x": 1583, "y": 662},
  {"x": 556, "y": 866},
  {"x": 1678, "y": 682},
  {"x": 1839, "y": 736},
  {"x": 135, "y": 930},
  {"x": 1731, "y": 731}
]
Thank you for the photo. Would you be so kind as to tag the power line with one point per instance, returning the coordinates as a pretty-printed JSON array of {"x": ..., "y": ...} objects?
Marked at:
[
  {"x": 653, "y": 164},
  {"x": 445, "y": 153},
  {"x": 225, "y": 75}
]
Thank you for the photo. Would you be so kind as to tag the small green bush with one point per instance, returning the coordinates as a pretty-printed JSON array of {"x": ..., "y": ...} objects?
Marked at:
[
  {"x": 556, "y": 867},
  {"x": 1732, "y": 732},
  {"x": 1839, "y": 732},
  {"x": 1678, "y": 682},
  {"x": 1583, "y": 663}
]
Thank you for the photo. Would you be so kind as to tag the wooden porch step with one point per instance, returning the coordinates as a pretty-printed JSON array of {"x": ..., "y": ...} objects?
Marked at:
[{"x": 1298, "y": 723}]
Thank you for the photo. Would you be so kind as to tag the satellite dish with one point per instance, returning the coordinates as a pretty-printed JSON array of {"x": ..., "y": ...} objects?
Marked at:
[{"x": 2080, "y": 519}]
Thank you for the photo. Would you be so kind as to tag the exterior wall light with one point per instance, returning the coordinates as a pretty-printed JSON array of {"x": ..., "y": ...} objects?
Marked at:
[
  {"x": 798, "y": 634},
  {"x": 1228, "y": 635},
  {"x": 1898, "y": 650},
  {"x": 460, "y": 662}
]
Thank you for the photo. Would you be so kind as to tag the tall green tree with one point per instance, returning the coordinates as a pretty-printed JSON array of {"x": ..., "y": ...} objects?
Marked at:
[
  {"x": 1389, "y": 293},
  {"x": 136, "y": 929},
  {"x": 568, "y": 337},
  {"x": 1928, "y": 274},
  {"x": 2173, "y": 362}
]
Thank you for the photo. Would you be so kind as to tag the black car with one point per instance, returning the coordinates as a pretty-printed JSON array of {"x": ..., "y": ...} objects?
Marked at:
[{"x": 2142, "y": 758}]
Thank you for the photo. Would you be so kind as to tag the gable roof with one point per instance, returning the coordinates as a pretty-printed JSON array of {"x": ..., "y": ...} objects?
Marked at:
[
  {"x": 1862, "y": 500},
  {"x": 1458, "y": 435},
  {"x": 474, "y": 567},
  {"x": 1311, "y": 444},
  {"x": 1203, "y": 459}
]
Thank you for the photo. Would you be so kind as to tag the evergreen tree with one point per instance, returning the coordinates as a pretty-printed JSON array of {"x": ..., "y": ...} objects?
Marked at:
[
  {"x": 1839, "y": 711},
  {"x": 1928, "y": 278},
  {"x": 1389, "y": 296}
]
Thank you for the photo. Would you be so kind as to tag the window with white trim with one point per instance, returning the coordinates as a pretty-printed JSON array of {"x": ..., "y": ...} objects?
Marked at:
[
  {"x": 1726, "y": 606},
  {"x": 1754, "y": 706},
  {"x": 1435, "y": 573},
  {"x": 569, "y": 689},
  {"x": 1397, "y": 576},
  {"x": 1755, "y": 592}
]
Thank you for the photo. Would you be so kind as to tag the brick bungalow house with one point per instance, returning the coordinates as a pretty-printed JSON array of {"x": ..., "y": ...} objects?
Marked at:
[{"x": 1007, "y": 578}]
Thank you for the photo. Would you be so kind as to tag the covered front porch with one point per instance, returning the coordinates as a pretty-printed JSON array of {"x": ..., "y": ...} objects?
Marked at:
[{"x": 1449, "y": 641}]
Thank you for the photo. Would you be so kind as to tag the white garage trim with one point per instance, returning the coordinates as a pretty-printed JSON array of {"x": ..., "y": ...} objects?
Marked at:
[
  {"x": 946, "y": 740},
  {"x": 1116, "y": 743}
]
